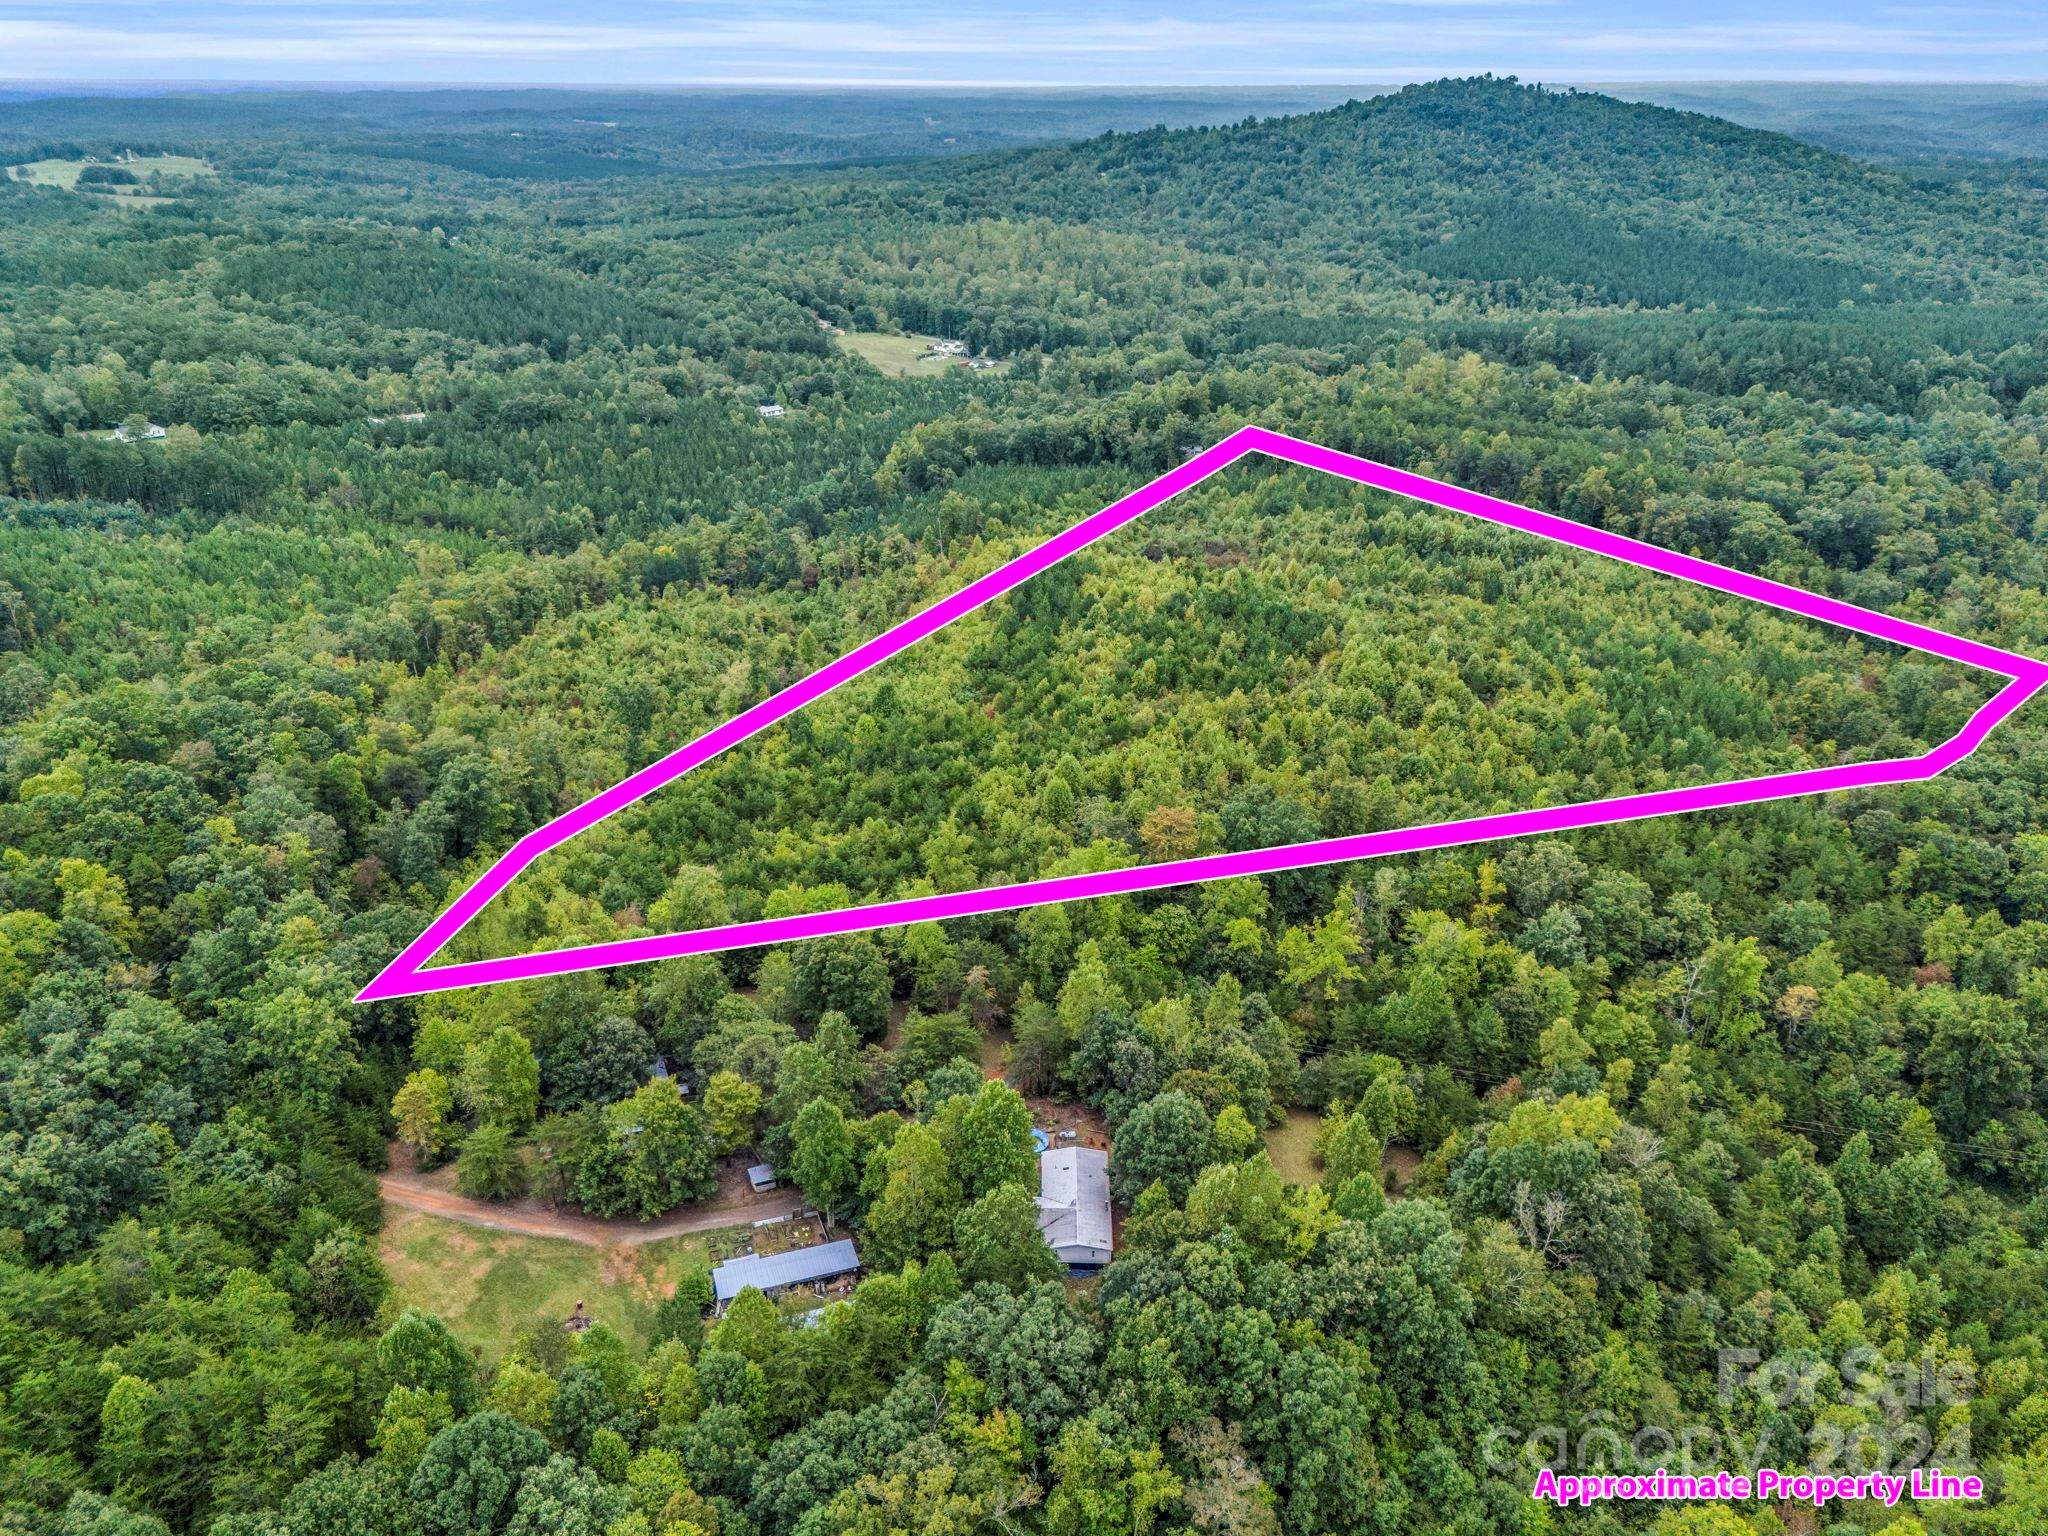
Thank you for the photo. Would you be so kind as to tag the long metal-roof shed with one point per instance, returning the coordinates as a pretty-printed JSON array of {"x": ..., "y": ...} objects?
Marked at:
[{"x": 772, "y": 1271}]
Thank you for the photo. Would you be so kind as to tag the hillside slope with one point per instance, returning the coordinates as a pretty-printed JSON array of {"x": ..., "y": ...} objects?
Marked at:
[{"x": 1474, "y": 181}]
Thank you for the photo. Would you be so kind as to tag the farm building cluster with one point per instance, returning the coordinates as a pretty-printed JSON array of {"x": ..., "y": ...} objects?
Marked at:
[
  {"x": 1073, "y": 1217},
  {"x": 945, "y": 349}
]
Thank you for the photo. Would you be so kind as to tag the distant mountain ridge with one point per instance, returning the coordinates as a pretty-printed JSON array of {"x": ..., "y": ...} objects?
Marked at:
[
  {"x": 1889, "y": 124},
  {"x": 1485, "y": 181}
]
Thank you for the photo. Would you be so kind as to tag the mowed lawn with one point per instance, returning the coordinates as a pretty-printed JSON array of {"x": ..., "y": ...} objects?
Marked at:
[
  {"x": 489, "y": 1286},
  {"x": 902, "y": 357}
]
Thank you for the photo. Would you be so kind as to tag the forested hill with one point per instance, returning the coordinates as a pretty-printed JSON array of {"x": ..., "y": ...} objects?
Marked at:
[
  {"x": 1600, "y": 236},
  {"x": 1543, "y": 193}
]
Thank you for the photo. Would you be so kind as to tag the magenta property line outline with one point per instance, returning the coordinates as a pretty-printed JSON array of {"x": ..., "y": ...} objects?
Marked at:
[{"x": 408, "y": 976}]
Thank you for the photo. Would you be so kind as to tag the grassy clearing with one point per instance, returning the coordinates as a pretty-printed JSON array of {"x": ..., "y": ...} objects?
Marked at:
[
  {"x": 902, "y": 357},
  {"x": 64, "y": 174},
  {"x": 490, "y": 1285},
  {"x": 1292, "y": 1146}
]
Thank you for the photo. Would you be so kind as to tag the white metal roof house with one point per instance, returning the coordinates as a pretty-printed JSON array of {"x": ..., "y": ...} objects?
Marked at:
[
  {"x": 1073, "y": 1205},
  {"x": 770, "y": 409},
  {"x": 772, "y": 1272},
  {"x": 763, "y": 1178}
]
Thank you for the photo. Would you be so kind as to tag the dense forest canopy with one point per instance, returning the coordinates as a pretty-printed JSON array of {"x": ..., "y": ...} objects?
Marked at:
[
  {"x": 443, "y": 494},
  {"x": 1275, "y": 638}
]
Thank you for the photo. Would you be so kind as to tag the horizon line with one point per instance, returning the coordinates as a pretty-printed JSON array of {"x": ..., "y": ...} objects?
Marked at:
[{"x": 956, "y": 87}]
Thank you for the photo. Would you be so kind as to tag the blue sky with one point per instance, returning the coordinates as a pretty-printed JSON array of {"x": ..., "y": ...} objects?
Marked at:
[{"x": 1059, "y": 42}]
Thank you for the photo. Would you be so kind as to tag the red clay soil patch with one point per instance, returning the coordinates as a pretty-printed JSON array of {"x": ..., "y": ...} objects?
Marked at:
[
  {"x": 404, "y": 1163},
  {"x": 1054, "y": 1116},
  {"x": 621, "y": 1266}
]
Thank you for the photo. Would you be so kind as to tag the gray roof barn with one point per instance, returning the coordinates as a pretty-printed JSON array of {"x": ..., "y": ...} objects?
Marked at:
[
  {"x": 768, "y": 1272},
  {"x": 1073, "y": 1205}
]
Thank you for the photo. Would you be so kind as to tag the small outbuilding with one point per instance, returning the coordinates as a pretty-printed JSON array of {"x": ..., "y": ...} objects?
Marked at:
[
  {"x": 659, "y": 1071},
  {"x": 763, "y": 1178}
]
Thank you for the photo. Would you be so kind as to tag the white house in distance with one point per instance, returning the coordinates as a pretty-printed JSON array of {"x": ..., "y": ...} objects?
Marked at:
[{"x": 1073, "y": 1206}]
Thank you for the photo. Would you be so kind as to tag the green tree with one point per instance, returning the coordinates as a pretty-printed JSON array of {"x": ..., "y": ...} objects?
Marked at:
[
  {"x": 419, "y": 1350},
  {"x": 732, "y": 1103},
  {"x": 822, "y": 1158},
  {"x": 1165, "y": 1139},
  {"x": 468, "y": 1481},
  {"x": 489, "y": 1166},
  {"x": 1099, "y": 1490},
  {"x": 522, "y": 1391},
  {"x": 421, "y": 1108},
  {"x": 501, "y": 1080},
  {"x": 582, "y": 1405},
  {"x": 345, "y": 1284},
  {"x": 407, "y": 1424},
  {"x": 988, "y": 1139},
  {"x": 349, "y": 1498},
  {"x": 932, "y": 1040},
  {"x": 919, "y": 1201},
  {"x": 998, "y": 1241},
  {"x": 844, "y": 975},
  {"x": 1233, "y": 1136},
  {"x": 646, "y": 1154},
  {"x": 88, "y": 1514}
]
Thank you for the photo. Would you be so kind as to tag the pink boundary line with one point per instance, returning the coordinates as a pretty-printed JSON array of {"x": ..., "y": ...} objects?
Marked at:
[{"x": 406, "y": 976}]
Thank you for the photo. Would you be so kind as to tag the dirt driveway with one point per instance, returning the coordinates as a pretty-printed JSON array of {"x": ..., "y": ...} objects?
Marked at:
[{"x": 730, "y": 1207}]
